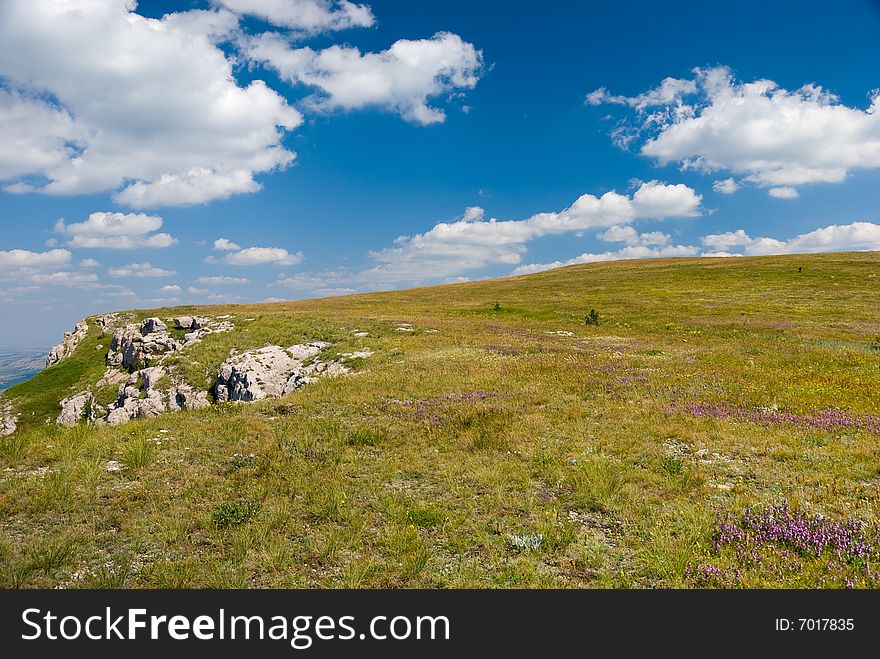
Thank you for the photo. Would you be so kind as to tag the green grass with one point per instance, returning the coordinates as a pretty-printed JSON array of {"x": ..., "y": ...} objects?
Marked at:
[{"x": 514, "y": 419}]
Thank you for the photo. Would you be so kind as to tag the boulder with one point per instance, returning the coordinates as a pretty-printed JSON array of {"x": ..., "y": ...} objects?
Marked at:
[
  {"x": 151, "y": 325},
  {"x": 184, "y": 397},
  {"x": 183, "y": 322},
  {"x": 77, "y": 408},
  {"x": 68, "y": 344}
]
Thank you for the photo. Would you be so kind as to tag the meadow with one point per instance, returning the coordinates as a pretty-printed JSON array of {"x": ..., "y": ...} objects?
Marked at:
[{"x": 640, "y": 424}]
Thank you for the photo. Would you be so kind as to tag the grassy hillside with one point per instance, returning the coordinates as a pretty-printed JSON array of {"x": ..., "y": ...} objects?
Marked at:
[{"x": 718, "y": 427}]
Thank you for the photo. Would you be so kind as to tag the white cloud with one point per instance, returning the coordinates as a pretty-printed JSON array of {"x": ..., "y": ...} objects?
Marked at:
[
  {"x": 192, "y": 290},
  {"x": 88, "y": 263},
  {"x": 450, "y": 249},
  {"x": 306, "y": 15},
  {"x": 223, "y": 245},
  {"x": 221, "y": 280},
  {"x": 23, "y": 258},
  {"x": 172, "y": 289},
  {"x": 721, "y": 241},
  {"x": 198, "y": 185},
  {"x": 772, "y": 136},
  {"x": 65, "y": 278},
  {"x": 258, "y": 256},
  {"x": 632, "y": 238},
  {"x": 670, "y": 91},
  {"x": 145, "y": 107},
  {"x": 116, "y": 231},
  {"x": 726, "y": 186},
  {"x": 635, "y": 252},
  {"x": 139, "y": 270},
  {"x": 403, "y": 79},
  {"x": 784, "y": 192},
  {"x": 855, "y": 237}
]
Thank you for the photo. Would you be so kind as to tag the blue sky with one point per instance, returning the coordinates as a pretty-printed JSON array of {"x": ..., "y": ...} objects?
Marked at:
[{"x": 495, "y": 108}]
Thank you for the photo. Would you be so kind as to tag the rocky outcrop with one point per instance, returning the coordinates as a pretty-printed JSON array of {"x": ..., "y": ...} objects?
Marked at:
[
  {"x": 107, "y": 322},
  {"x": 184, "y": 397},
  {"x": 138, "y": 397},
  {"x": 77, "y": 408},
  {"x": 268, "y": 372},
  {"x": 273, "y": 371},
  {"x": 68, "y": 344},
  {"x": 7, "y": 420},
  {"x": 197, "y": 327},
  {"x": 137, "y": 345}
]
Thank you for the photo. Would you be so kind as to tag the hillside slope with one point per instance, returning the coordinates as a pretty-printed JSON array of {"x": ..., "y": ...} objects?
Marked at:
[{"x": 485, "y": 436}]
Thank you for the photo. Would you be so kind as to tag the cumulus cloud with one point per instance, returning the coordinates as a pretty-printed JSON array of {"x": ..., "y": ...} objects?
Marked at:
[
  {"x": 726, "y": 186},
  {"x": 305, "y": 15},
  {"x": 450, "y": 249},
  {"x": 721, "y": 241},
  {"x": 632, "y": 238},
  {"x": 668, "y": 92},
  {"x": 172, "y": 289},
  {"x": 254, "y": 255},
  {"x": 100, "y": 98},
  {"x": 139, "y": 270},
  {"x": 854, "y": 237},
  {"x": 223, "y": 245},
  {"x": 773, "y": 137},
  {"x": 403, "y": 79},
  {"x": 784, "y": 192},
  {"x": 65, "y": 278},
  {"x": 116, "y": 231},
  {"x": 23, "y": 258},
  {"x": 633, "y": 252},
  {"x": 221, "y": 280}
]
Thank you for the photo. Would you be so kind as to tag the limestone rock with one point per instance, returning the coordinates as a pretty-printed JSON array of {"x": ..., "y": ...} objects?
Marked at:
[
  {"x": 77, "y": 408},
  {"x": 107, "y": 322},
  {"x": 268, "y": 372},
  {"x": 7, "y": 420},
  {"x": 183, "y": 322},
  {"x": 184, "y": 397},
  {"x": 68, "y": 344},
  {"x": 135, "y": 345}
]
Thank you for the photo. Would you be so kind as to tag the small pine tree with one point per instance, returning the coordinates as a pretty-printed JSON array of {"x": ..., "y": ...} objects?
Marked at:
[
  {"x": 592, "y": 318},
  {"x": 497, "y": 307}
]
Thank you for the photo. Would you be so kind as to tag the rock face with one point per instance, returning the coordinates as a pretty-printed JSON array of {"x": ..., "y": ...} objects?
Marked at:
[
  {"x": 135, "y": 345},
  {"x": 7, "y": 420},
  {"x": 77, "y": 408},
  {"x": 267, "y": 372},
  {"x": 184, "y": 397},
  {"x": 68, "y": 344}
]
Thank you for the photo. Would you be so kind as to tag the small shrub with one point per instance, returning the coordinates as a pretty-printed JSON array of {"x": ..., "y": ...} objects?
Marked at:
[
  {"x": 138, "y": 453},
  {"x": 365, "y": 437},
  {"x": 497, "y": 307},
  {"x": 242, "y": 461},
  {"x": 13, "y": 448},
  {"x": 672, "y": 465},
  {"x": 592, "y": 318},
  {"x": 425, "y": 517},
  {"x": 876, "y": 344},
  {"x": 235, "y": 513},
  {"x": 526, "y": 541},
  {"x": 52, "y": 555}
]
